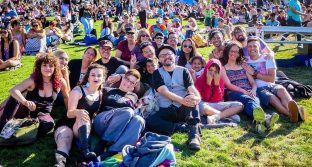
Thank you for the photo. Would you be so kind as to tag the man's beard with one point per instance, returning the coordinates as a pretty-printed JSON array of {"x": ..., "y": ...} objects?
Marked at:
[
  {"x": 168, "y": 63},
  {"x": 241, "y": 38}
]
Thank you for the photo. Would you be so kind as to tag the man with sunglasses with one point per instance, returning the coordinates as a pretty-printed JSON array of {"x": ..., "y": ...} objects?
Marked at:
[
  {"x": 177, "y": 98},
  {"x": 112, "y": 64}
]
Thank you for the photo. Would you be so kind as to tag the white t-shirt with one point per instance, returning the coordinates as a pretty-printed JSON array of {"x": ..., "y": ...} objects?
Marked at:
[{"x": 262, "y": 65}]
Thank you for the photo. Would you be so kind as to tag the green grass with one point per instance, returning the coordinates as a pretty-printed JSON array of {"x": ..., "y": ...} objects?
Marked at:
[{"x": 288, "y": 144}]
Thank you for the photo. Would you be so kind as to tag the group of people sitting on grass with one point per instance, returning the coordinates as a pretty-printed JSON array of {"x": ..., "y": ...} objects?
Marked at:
[
  {"x": 238, "y": 76},
  {"x": 102, "y": 95}
]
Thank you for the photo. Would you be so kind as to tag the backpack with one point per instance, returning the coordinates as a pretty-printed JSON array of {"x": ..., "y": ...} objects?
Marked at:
[{"x": 19, "y": 132}]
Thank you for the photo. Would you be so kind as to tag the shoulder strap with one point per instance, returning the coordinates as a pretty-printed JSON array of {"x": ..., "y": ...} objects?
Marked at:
[{"x": 82, "y": 91}]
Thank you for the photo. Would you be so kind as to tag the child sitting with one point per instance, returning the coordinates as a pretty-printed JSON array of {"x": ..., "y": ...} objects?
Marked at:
[{"x": 198, "y": 63}]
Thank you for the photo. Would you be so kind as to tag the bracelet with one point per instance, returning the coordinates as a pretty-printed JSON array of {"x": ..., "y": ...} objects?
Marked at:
[{"x": 254, "y": 75}]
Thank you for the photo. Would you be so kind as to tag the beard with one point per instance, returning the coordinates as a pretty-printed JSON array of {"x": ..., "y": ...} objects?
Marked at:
[{"x": 241, "y": 38}]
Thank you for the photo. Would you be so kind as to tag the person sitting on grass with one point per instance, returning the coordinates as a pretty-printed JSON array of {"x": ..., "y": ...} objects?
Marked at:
[
  {"x": 35, "y": 38},
  {"x": 264, "y": 72},
  {"x": 9, "y": 51},
  {"x": 242, "y": 87},
  {"x": 210, "y": 84},
  {"x": 42, "y": 88},
  {"x": 198, "y": 63},
  {"x": 216, "y": 37}
]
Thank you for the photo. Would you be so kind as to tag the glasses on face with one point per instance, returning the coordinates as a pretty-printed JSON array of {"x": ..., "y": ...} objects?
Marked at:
[
  {"x": 3, "y": 32},
  {"x": 187, "y": 46},
  {"x": 35, "y": 25},
  {"x": 159, "y": 38},
  {"x": 165, "y": 54},
  {"x": 128, "y": 80},
  {"x": 172, "y": 37},
  {"x": 130, "y": 34},
  {"x": 144, "y": 35},
  {"x": 106, "y": 49}
]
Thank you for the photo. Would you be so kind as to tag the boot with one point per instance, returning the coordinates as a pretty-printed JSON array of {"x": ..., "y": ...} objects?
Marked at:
[
  {"x": 83, "y": 133},
  {"x": 60, "y": 159},
  {"x": 194, "y": 138}
]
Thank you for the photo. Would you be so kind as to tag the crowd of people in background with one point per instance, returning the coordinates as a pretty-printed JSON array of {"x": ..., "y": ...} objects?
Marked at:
[{"x": 101, "y": 91}]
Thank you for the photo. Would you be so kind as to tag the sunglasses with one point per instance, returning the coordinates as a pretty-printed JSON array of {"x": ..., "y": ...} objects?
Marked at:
[
  {"x": 35, "y": 25},
  {"x": 131, "y": 34},
  {"x": 144, "y": 36},
  {"x": 188, "y": 46},
  {"x": 159, "y": 38},
  {"x": 3, "y": 32}
]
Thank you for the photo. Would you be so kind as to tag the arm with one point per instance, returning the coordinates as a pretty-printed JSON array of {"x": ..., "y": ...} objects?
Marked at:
[
  {"x": 16, "y": 50},
  {"x": 16, "y": 93},
  {"x": 253, "y": 91},
  {"x": 164, "y": 91},
  {"x": 75, "y": 95},
  {"x": 296, "y": 11},
  {"x": 65, "y": 91},
  {"x": 270, "y": 77}
]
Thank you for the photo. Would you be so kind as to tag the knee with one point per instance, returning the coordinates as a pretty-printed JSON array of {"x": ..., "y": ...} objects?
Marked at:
[
  {"x": 139, "y": 120},
  {"x": 281, "y": 92},
  {"x": 45, "y": 127},
  {"x": 274, "y": 100}
]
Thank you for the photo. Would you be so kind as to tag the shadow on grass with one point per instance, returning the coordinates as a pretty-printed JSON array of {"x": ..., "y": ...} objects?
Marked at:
[
  {"x": 284, "y": 129},
  {"x": 185, "y": 151}
]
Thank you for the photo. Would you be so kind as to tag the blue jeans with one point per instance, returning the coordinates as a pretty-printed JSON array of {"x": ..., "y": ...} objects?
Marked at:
[
  {"x": 120, "y": 126},
  {"x": 249, "y": 103},
  {"x": 87, "y": 24}
]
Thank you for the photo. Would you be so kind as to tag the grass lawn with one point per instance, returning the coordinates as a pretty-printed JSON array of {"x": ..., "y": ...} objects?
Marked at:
[{"x": 288, "y": 144}]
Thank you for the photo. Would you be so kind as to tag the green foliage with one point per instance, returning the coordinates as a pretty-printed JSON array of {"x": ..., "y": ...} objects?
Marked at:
[{"x": 288, "y": 144}]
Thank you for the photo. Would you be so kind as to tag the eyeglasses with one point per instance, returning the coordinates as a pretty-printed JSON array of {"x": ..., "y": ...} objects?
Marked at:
[
  {"x": 128, "y": 80},
  {"x": 188, "y": 46},
  {"x": 130, "y": 34},
  {"x": 159, "y": 38},
  {"x": 35, "y": 25},
  {"x": 3, "y": 32},
  {"x": 105, "y": 48},
  {"x": 144, "y": 36},
  {"x": 165, "y": 54}
]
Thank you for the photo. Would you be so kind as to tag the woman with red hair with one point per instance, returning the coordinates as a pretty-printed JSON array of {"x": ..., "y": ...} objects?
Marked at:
[{"x": 41, "y": 90}]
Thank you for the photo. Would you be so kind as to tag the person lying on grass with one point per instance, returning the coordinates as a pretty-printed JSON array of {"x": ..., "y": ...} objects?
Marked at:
[
  {"x": 41, "y": 90},
  {"x": 211, "y": 87},
  {"x": 264, "y": 72}
]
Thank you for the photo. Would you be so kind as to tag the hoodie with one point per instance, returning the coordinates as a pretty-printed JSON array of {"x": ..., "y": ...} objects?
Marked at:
[{"x": 210, "y": 93}]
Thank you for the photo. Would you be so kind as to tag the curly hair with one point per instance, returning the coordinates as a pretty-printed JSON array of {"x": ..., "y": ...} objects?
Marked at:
[
  {"x": 182, "y": 59},
  {"x": 44, "y": 58},
  {"x": 240, "y": 59},
  {"x": 91, "y": 67}
]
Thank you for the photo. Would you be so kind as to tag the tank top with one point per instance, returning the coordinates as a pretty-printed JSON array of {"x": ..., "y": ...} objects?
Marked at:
[
  {"x": 43, "y": 104},
  {"x": 6, "y": 53},
  {"x": 89, "y": 105},
  {"x": 239, "y": 78}
]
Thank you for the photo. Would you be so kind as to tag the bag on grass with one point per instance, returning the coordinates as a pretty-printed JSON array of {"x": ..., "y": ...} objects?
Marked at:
[
  {"x": 199, "y": 40},
  {"x": 19, "y": 132}
]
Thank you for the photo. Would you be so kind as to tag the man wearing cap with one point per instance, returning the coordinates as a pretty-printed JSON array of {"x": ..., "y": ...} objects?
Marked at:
[
  {"x": 178, "y": 100},
  {"x": 158, "y": 27},
  {"x": 158, "y": 41},
  {"x": 112, "y": 64}
]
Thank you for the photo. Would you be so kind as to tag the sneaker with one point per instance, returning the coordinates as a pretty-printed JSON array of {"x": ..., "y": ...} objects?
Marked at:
[
  {"x": 259, "y": 115},
  {"x": 213, "y": 119},
  {"x": 235, "y": 118},
  {"x": 271, "y": 120},
  {"x": 294, "y": 111},
  {"x": 181, "y": 127},
  {"x": 194, "y": 143},
  {"x": 303, "y": 114}
]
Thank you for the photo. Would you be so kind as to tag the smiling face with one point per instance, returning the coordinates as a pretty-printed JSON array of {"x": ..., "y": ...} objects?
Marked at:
[
  {"x": 105, "y": 52},
  {"x": 253, "y": 48},
  {"x": 166, "y": 57},
  {"x": 197, "y": 65},
  {"x": 96, "y": 77},
  {"x": 47, "y": 70},
  {"x": 63, "y": 60},
  {"x": 150, "y": 67},
  {"x": 128, "y": 83},
  {"x": 187, "y": 47},
  {"x": 216, "y": 40},
  {"x": 148, "y": 51},
  {"x": 159, "y": 40},
  {"x": 234, "y": 53},
  {"x": 239, "y": 35},
  {"x": 173, "y": 40}
]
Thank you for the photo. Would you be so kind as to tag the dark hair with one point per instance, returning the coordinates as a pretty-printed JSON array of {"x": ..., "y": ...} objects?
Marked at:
[
  {"x": 94, "y": 50},
  {"x": 216, "y": 66},
  {"x": 201, "y": 59},
  {"x": 213, "y": 32},
  {"x": 240, "y": 59},
  {"x": 44, "y": 58},
  {"x": 91, "y": 67},
  {"x": 145, "y": 44},
  {"x": 182, "y": 59},
  {"x": 11, "y": 45},
  {"x": 253, "y": 38},
  {"x": 165, "y": 47}
]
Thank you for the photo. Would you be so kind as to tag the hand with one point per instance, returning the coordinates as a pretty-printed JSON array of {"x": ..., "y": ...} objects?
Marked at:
[
  {"x": 30, "y": 105},
  {"x": 192, "y": 72},
  {"x": 133, "y": 61},
  {"x": 248, "y": 68},
  {"x": 113, "y": 79},
  {"x": 269, "y": 56},
  {"x": 209, "y": 76},
  {"x": 82, "y": 115},
  {"x": 191, "y": 100},
  {"x": 216, "y": 78},
  {"x": 253, "y": 93}
]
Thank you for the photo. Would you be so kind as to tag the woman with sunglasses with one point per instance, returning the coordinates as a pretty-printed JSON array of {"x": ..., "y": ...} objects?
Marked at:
[
  {"x": 125, "y": 47},
  {"x": 143, "y": 36},
  {"x": 158, "y": 41},
  {"x": 79, "y": 67},
  {"x": 41, "y": 90},
  {"x": 116, "y": 122},
  {"x": 35, "y": 38},
  {"x": 188, "y": 50},
  {"x": 9, "y": 51}
]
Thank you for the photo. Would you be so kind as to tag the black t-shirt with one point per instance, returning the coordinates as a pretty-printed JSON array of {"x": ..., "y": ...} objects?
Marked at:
[
  {"x": 158, "y": 81},
  {"x": 111, "y": 65},
  {"x": 116, "y": 98}
]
